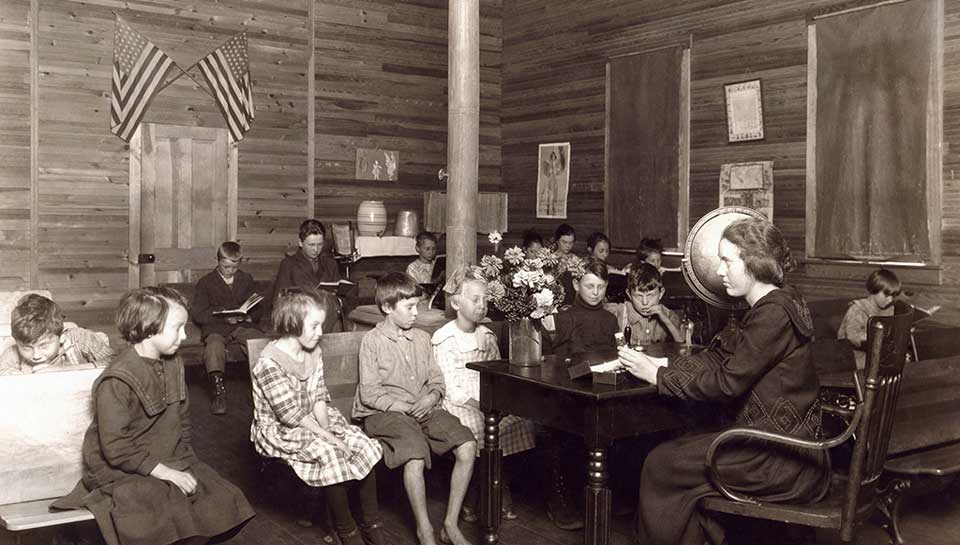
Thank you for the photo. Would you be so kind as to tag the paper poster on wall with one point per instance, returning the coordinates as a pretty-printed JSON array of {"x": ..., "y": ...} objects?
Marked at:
[
  {"x": 553, "y": 180},
  {"x": 749, "y": 185},
  {"x": 377, "y": 164}
]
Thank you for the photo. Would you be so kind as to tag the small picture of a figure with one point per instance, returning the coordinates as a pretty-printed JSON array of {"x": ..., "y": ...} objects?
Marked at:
[
  {"x": 377, "y": 164},
  {"x": 553, "y": 179}
]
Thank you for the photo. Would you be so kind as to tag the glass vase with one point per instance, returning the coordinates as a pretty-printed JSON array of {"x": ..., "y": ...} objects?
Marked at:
[{"x": 526, "y": 343}]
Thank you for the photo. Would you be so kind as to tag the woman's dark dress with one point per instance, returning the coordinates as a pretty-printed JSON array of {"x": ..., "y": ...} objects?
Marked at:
[
  {"x": 142, "y": 420},
  {"x": 766, "y": 377}
]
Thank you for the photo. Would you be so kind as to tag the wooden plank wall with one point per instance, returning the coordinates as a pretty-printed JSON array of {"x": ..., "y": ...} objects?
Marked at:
[
  {"x": 381, "y": 82},
  {"x": 82, "y": 168},
  {"x": 553, "y": 91},
  {"x": 15, "y": 144}
]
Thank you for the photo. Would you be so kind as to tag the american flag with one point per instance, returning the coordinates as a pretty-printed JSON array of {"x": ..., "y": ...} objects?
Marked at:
[
  {"x": 227, "y": 71},
  {"x": 138, "y": 68}
]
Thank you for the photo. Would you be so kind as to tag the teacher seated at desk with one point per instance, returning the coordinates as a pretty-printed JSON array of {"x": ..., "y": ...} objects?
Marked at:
[{"x": 762, "y": 374}]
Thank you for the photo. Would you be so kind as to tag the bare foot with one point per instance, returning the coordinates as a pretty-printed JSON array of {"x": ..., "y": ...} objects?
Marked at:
[
  {"x": 450, "y": 534},
  {"x": 425, "y": 536}
]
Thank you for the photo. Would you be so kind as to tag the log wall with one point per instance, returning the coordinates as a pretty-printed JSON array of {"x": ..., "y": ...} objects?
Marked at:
[{"x": 553, "y": 91}]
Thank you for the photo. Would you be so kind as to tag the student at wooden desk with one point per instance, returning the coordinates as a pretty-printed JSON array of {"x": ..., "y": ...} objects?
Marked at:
[{"x": 762, "y": 373}]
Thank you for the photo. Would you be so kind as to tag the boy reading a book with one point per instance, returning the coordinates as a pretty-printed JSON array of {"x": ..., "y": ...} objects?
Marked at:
[
  {"x": 43, "y": 344},
  {"x": 225, "y": 308},
  {"x": 310, "y": 265},
  {"x": 399, "y": 401}
]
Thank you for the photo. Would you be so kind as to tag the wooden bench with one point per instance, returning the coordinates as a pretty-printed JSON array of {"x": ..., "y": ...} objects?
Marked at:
[
  {"x": 41, "y": 436},
  {"x": 924, "y": 453}
]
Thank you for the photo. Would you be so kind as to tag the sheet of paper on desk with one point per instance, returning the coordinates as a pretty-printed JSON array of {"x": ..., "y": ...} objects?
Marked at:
[{"x": 607, "y": 366}]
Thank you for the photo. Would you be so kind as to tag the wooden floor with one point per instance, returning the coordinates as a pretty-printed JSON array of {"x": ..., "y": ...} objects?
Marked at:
[{"x": 224, "y": 443}]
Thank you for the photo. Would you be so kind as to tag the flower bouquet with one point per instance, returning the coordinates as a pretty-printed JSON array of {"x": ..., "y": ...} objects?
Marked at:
[{"x": 524, "y": 286}]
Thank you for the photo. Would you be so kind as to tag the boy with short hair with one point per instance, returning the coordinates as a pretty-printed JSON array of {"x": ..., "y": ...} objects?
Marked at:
[
  {"x": 421, "y": 269},
  {"x": 309, "y": 265},
  {"x": 42, "y": 343},
  {"x": 586, "y": 326},
  {"x": 648, "y": 319},
  {"x": 224, "y": 288},
  {"x": 398, "y": 399}
]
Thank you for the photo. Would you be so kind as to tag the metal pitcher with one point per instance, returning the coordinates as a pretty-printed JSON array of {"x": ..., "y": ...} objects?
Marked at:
[{"x": 407, "y": 224}]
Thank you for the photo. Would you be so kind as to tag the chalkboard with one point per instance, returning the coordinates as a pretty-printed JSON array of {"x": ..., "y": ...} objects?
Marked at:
[{"x": 646, "y": 116}]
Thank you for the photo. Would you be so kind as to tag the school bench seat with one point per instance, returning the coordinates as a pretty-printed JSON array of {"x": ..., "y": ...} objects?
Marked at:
[{"x": 31, "y": 515}]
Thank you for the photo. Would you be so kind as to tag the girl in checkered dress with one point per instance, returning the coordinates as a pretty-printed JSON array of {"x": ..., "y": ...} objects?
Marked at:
[
  {"x": 293, "y": 421},
  {"x": 457, "y": 343}
]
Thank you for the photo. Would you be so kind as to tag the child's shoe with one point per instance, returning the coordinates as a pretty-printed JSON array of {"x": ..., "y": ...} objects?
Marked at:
[
  {"x": 372, "y": 534},
  {"x": 218, "y": 403},
  {"x": 351, "y": 538}
]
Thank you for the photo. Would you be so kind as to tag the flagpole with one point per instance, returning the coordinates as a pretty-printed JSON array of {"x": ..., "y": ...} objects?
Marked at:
[{"x": 185, "y": 73}]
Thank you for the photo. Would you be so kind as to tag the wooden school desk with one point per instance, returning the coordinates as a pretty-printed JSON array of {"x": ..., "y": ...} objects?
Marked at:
[{"x": 600, "y": 413}]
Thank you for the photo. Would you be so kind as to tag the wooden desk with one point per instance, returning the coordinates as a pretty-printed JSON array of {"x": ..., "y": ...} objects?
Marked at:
[{"x": 597, "y": 412}]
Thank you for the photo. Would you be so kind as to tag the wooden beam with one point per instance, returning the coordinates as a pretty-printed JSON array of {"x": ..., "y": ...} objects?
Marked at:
[
  {"x": 311, "y": 110},
  {"x": 34, "y": 143},
  {"x": 463, "y": 134}
]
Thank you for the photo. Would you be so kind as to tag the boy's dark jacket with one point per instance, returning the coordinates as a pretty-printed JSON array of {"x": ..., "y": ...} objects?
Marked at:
[{"x": 212, "y": 293}]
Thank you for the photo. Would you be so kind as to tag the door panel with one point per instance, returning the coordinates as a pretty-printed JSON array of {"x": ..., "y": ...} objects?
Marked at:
[{"x": 184, "y": 186}]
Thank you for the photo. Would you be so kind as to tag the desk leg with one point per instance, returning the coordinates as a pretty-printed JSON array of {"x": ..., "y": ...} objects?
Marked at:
[
  {"x": 597, "y": 531},
  {"x": 490, "y": 477}
]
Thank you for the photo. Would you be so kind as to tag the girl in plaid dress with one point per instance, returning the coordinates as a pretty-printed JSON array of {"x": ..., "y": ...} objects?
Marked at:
[
  {"x": 292, "y": 420},
  {"x": 457, "y": 343}
]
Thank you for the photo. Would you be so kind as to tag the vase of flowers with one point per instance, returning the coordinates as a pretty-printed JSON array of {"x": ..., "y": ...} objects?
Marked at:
[{"x": 524, "y": 287}]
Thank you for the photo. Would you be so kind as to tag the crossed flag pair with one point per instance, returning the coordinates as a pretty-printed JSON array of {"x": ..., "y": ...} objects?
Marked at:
[{"x": 139, "y": 69}]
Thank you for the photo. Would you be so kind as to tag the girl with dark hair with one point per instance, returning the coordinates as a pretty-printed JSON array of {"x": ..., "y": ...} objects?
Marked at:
[
  {"x": 762, "y": 374},
  {"x": 141, "y": 478}
]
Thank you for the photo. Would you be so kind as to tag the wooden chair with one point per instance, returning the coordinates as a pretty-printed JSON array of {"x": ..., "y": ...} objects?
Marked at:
[{"x": 853, "y": 497}]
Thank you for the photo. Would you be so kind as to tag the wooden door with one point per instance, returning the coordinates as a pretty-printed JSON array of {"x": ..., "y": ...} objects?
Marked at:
[{"x": 183, "y": 201}]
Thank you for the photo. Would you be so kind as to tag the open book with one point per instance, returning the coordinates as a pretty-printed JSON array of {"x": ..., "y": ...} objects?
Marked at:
[
  {"x": 920, "y": 313},
  {"x": 243, "y": 309},
  {"x": 340, "y": 287}
]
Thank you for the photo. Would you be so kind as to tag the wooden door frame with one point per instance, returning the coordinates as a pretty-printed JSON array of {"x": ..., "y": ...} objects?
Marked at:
[{"x": 136, "y": 177}]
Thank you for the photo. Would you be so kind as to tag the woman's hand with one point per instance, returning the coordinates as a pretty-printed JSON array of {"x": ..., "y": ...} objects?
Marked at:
[
  {"x": 639, "y": 364},
  {"x": 183, "y": 480}
]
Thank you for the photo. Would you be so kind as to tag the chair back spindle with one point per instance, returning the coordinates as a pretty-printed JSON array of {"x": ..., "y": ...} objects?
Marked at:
[{"x": 888, "y": 339}]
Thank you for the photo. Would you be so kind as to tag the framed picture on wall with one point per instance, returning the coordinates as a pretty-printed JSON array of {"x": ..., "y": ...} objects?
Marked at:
[
  {"x": 749, "y": 185},
  {"x": 744, "y": 102},
  {"x": 553, "y": 180}
]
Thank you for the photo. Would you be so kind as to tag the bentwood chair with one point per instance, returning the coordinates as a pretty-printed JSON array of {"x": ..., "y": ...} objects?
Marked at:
[{"x": 852, "y": 497}]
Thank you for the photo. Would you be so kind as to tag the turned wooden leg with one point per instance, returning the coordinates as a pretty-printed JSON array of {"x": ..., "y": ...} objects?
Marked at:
[
  {"x": 597, "y": 530},
  {"x": 490, "y": 478}
]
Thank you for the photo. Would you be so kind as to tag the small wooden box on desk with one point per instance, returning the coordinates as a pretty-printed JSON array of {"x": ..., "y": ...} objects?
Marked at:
[{"x": 581, "y": 365}]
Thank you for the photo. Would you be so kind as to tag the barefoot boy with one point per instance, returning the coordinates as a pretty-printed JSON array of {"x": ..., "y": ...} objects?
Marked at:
[{"x": 398, "y": 399}]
